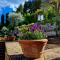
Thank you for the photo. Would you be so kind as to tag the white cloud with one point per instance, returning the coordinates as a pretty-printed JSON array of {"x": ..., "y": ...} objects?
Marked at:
[
  {"x": 3, "y": 3},
  {"x": 26, "y": 0},
  {"x": 11, "y": 3},
  {"x": 14, "y": 1},
  {"x": 13, "y": 6}
]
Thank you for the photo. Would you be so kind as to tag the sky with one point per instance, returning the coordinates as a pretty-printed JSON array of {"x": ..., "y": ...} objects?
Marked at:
[
  {"x": 11, "y": 3},
  {"x": 7, "y": 6}
]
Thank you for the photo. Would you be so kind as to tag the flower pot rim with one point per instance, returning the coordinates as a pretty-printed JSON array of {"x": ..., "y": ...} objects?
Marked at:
[{"x": 36, "y": 40}]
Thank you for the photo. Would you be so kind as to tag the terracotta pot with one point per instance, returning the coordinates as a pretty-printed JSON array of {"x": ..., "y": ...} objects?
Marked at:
[
  {"x": 33, "y": 48},
  {"x": 10, "y": 38},
  {"x": 1, "y": 38}
]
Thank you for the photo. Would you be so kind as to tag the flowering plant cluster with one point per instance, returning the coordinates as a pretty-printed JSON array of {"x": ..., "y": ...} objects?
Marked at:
[
  {"x": 35, "y": 31},
  {"x": 36, "y": 26}
]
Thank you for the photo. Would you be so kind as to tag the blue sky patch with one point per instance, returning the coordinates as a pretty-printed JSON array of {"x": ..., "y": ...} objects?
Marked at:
[{"x": 7, "y": 6}]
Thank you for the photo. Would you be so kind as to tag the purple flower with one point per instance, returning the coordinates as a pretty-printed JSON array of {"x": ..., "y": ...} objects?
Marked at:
[{"x": 36, "y": 26}]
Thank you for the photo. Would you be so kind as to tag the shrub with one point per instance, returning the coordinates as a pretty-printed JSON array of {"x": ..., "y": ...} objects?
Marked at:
[
  {"x": 4, "y": 31},
  {"x": 15, "y": 19}
]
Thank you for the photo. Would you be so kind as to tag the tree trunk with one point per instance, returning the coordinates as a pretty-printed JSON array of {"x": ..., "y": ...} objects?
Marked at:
[{"x": 58, "y": 7}]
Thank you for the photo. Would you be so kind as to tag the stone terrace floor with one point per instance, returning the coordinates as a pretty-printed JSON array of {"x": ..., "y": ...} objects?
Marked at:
[{"x": 51, "y": 53}]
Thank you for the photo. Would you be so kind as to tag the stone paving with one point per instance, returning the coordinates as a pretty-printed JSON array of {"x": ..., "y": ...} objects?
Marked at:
[{"x": 52, "y": 54}]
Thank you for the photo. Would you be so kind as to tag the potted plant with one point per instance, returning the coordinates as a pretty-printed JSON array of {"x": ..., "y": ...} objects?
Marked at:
[
  {"x": 4, "y": 32},
  {"x": 10, "y": 36},
  {"x": 33, "y": 41}
]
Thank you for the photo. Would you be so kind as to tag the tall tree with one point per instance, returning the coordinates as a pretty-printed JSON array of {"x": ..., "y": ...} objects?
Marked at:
[
  {"x": 56, "y": 4},
  {"x": 27, "y": 6},
  {"x": 2, "y": 19},
  {"x": 7, "y": 22},
  {"x": 20, "y": 8},
  {"x": 32, "y": 6},
  {"x": 37, "y": 4}
]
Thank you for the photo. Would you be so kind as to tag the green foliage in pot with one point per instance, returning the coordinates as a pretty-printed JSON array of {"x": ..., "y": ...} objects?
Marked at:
[
  {"x": 34, "y": 32},
  {"x": 23, "y": 28},
  {"x": 33, "y": 35}
]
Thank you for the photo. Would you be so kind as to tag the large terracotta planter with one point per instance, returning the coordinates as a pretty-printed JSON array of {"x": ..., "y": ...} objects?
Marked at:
[{"x": 33, "y": 48}]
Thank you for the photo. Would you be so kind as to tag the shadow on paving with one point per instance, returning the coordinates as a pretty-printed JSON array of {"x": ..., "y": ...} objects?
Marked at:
[
  {"x": 20, "y": 57},
  {"x": 56, "y": 58},
  {"x": 54, "y": 40}
]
